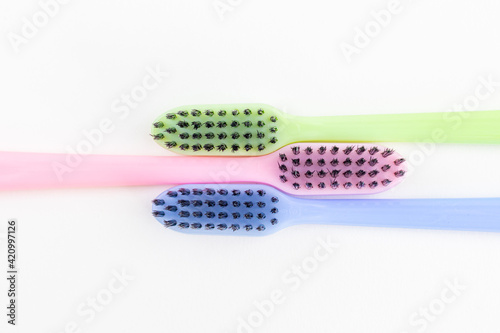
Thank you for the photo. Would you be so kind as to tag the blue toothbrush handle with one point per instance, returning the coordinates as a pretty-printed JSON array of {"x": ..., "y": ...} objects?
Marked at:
[{"x": 482, "y": 214}]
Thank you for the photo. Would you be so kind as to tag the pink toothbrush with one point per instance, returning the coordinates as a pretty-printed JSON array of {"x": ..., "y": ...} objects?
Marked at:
[{"x": 302, "y": 169}]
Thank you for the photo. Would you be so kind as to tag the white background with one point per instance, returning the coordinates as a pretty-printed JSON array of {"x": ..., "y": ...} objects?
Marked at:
[{"x": 64, "y": 79}]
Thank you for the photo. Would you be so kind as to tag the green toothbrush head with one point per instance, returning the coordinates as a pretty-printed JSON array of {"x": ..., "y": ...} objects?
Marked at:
[{"x": 220, "y": 130}]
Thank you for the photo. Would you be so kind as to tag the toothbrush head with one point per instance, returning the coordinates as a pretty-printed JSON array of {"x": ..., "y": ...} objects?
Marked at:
[
  {"x": 234, "y": 209},
  {"x": 220, "y": 130},
  {"x": 333, "y": 169}
]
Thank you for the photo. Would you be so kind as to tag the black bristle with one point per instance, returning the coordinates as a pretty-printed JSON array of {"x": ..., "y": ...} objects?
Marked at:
[
  {"x": 260, "y": 123},
  {"x": 223, "y": 192},
  {"x": 347, "y": 162},
  {"x": 197, "y": 136},
  {"x": 197, "y": 203},
  {"x": 197, "y": 147},
  {"x": 398, "y": 162},
  {"x": 360, "y": 185},
  {"x": 248, "y": 147},
  {"x": 236, "y": 203},
  {"x": 322, "y": 150},
  {"x": 334, "y": 162},
  {"x": 158, "y": 124},
  {"x": 248, "y": 215},
  {"x": 184, "y": 146},
  {"x": 360, "y": 162},
  {"x": 261, "y": 204},
  {"x": 282, "y": 167},
  {"x": 183, "y": 113},
  {"x": 236, "y": 192},
  {"x": 209, "y": 124},
  {"x": 347, "y": 174},
  {"x": 385, "y": 167},
  {"x": 274, "y": 199},
  {"x": 387, "y": 152},
  {"x": 235, "y": 112},
  {"x": 209, "y": 191},
  {"x": 184, "y": 136},
  {"x": 360, "y": 173},
  {"x": 171, "y": 208},
  {"x": 209, "y": 226},
  {"x": 347, "y": 185},
  {"x": 334, "y": 185},
  {"x": 309, "y": 173},
  {"x": 210, "y": 215},
  {"x": 184, "y": 213},
  {"x": 322, "y": 173},
  {"x": 209, "y": 113},
  {"x": 321, "y": 162},
  {"x": 183, "y": 124},
  {"x": 222, "y": 136},
  {"x": 360, "y": 150},
  {"x": 274, "y": 221},
  {"x": 221, "y": 124},
  {"x": 308, "y": 151},
  {"x": 273, "y": 129},
  {"x": 348, "y": 150},
  {"x": 169, "y": 223},
  {"x": 295, "y": 173},
  {"x": 210, "y": 203},
  {"x": 248, "y": 227},
  {"x": 170, "y": 144},
  {"x": 196, "y": 124},
  {"x": 172, "y": 194},
  {"x": 158, "y": 213},
  {"x": 260, "y": 112},
  {"x": 248, "y": 204},
  {"x": 273, "y": 119},
  {"x": 296, "y": 186},
  {"x": 222, "y": 215},
  {"x": 195, "y": 113},
  {"x": 373, "y": 150},
  {"x": 247, "y": 112},
  {"x": 171, "y": 130},
  {"x": 247, "y": 123},
  {"x": 296, "y": 161},
  {"x": 261, "y": 193},
  {"x": 372, "y": 161},
  {"x": 235, "y": 135},
  {"x": 197, "y": 214},
  {"x": 261, "y": 216},
  {"x": 171, "y": 116},
  {"x": 208, "y": 147},
  {"x": 234, "y": 123},
  {"x": 236, "y": 215},
  {"x": 309, "y": 186},
  {"x": 247, "y": 135},
  {"x": 249, "y": 193},
  {"x": 158, "y": 136},
  {"x": 399, "y": 173},
  {"x": 183, "y": 203},
  {"x": 210, "y": 135},
  {"x": 373, "y": 173},
  {"x": 222, "y": 147},
  {"x": 158, "y": 202},
  {"x": 222, "y": 113},
  {"x": 308, "y": 162},
  {"x": 261, "y": 147},
  {"x": 235, "y": 147},
  {"x": 283, "y": 179},
  {"x": 196, "y": 226},
  {"x": 260, "y": 135},
  {"x": 223, "y": 203},
  {"x": 261, "y": 228},
  {"x": 334, "y": 150},
  {"x": 386, "y": 182},
  {"x": 222, "y": 226},
  {"x": 234, "y": 227},
  {"x": 373, "y": 184},
  {"x": 296, "y": 150},
  {"x": 335, "y": 173},
  {"x": 321, "y": 185}
]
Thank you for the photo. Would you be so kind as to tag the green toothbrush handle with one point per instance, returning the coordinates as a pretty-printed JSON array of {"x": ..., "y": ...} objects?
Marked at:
[{"x": 442, "y": 127}]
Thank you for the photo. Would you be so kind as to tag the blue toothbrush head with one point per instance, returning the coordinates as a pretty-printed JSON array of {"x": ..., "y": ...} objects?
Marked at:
[{"x": 232, "y": 209}]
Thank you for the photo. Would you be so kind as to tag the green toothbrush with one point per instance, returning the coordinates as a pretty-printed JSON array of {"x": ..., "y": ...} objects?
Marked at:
[{"x": 259, "y": 129}]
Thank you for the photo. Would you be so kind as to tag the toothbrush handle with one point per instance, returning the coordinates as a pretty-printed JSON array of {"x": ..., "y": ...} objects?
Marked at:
[
  {"x": 481, "y": 214},
  {"x": 39, "y": 170},
  {"x": 441, "y": 127}
]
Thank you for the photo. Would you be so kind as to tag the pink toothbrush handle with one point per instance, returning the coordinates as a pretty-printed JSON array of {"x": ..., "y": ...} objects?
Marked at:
[{"x": 39, "y": 170}]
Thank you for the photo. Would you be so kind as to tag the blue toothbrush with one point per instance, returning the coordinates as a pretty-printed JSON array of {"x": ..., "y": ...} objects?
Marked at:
[{"x": 258, "y": 210}]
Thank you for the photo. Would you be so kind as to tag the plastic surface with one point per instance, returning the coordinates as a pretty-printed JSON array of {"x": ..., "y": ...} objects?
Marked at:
[
  {"x": 187, "y": 129},
  {"x": 302, "y": 169},
  {"x": 210, "y": 209}
]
